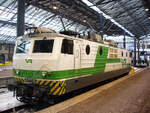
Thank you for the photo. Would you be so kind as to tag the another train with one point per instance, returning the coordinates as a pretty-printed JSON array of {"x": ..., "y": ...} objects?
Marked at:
[
  {"x": 6, "y": 53},
  {"x": 49, "y": 64}
]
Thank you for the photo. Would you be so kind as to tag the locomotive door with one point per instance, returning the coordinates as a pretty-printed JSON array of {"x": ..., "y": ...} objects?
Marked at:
[{"x": 77, "y": 56}]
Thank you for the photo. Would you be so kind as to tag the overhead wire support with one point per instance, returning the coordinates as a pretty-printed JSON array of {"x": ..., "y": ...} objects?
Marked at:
[
  {"x": 138, "y": 47},
  {"x": 63, "y": 24},
  {"x": 124, "y": 40},
  {"x": 134, "y": 59},
  {"x": 90, "y": 26},
  {"x": 101, "y": 25}
]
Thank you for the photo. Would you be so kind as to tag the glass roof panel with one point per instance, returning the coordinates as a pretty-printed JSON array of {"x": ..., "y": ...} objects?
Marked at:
[{"x": 33, "y": 16}]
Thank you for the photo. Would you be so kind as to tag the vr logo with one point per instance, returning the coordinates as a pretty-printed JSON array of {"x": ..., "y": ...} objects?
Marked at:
[{"x": 28, "y": 61}]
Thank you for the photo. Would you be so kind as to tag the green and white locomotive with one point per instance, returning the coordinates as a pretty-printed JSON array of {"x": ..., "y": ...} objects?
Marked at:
[{"x": 49, "y": 64}]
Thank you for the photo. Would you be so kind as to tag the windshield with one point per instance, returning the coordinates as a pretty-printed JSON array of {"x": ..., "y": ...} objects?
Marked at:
[
  {"x": 43, "y": 46},
  {"x": 23, "y": 46}
]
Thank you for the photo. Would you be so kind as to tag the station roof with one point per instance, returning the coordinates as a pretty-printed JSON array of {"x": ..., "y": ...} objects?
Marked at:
[
  {"x": 131, "y": 14},
  {"x": 77, "y": 15}
]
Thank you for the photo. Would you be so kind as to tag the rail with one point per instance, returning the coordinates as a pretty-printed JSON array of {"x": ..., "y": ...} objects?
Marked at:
[{"x": 9, "y": 102}]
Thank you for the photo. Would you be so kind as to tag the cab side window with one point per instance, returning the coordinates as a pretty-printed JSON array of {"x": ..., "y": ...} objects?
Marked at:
[
  {"x": 67, "y": 46},
  {"x": 122, "y": 53},
  {"x": 130, "y": 54}
]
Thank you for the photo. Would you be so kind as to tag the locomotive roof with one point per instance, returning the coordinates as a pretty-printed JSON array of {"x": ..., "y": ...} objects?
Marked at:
[{"x": 55, "y": 35}]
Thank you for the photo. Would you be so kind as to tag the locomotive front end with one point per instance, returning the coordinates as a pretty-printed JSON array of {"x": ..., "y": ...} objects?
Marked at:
[{"x": 33, "y": 62}]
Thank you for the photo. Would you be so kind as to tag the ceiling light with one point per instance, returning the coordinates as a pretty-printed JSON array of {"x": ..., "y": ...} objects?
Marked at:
[
  {"x": 36, "y": 9},
  {"x": 149, "y": 17},
  {"x": 84, "y": 20},
  {"x": 146, "y": 9},
  {"x": 54, "y": 7}
]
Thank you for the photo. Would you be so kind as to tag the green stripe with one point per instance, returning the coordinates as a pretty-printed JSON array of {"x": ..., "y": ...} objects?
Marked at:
[{"x": 99, "y": 67}]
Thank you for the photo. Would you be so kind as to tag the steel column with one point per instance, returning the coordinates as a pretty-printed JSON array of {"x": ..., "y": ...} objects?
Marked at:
[
  {"x": 101, "y": 25},
  {"x": 134, "y": 60},
  {"x": 20, "y": 17},
  {"x": 138, "y": 47},
  {"x": 143, "y": 46},
  {"x": 9, "y": 47},
  {"x": 124, "y": 40}
]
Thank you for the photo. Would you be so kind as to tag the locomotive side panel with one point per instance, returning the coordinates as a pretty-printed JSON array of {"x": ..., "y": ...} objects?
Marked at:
[
  {"x": 66, "y": 55},
  {"x": 113, "y": 54},
  {"x": 105, "y": 66},
  {"x": 88, "y": 54}
]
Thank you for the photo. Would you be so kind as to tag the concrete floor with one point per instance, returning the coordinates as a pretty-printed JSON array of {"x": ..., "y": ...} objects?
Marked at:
[{"x": 131, "y": 95}]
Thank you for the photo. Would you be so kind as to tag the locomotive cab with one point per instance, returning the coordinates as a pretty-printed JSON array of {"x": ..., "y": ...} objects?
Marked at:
[
  {"x": 44, "y": 53},
  {"x": 36, "y": 61},
  {"x": 35, "y": 54},
  {"x": 48, "y": 54}
]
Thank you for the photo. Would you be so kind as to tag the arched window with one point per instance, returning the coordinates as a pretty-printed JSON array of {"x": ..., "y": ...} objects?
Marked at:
[
  {"x": 87, "y": 49},
  {"x": 101, "y": 51}
]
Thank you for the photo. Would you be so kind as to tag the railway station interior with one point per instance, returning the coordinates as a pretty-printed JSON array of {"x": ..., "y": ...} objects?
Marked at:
[{"x": 74, "y": 56}]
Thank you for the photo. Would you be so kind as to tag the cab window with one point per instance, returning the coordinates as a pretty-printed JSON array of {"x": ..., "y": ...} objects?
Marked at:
[
  {"x": 67, "y": 46},
  {"x": 130, "y": 54},
  {"x": 43, "y": 46},
  {"x": 23, "y": 46}
]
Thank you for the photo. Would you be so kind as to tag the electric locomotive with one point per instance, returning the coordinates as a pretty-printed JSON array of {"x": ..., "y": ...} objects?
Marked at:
[{"x": 47, "y": 64}]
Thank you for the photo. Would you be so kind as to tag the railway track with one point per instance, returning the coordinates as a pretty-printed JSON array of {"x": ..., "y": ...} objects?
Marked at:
[
  {"x": 19, "y": 109},
  {"x": 8, "y": 101}
]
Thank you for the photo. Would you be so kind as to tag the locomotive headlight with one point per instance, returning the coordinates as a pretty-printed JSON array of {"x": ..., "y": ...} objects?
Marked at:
[
  {"x": 17, "y": 71},
  {"x": 43, "y": 74}
]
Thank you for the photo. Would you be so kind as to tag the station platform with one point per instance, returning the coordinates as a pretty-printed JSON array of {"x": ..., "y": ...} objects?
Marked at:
[
  {"x": 5, "y": 67},
  {"x": 129, "y": 94},
  {"x": 6, "y": 72}
]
